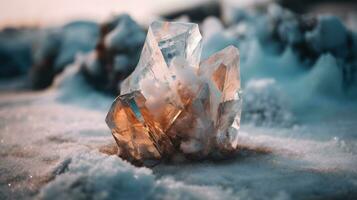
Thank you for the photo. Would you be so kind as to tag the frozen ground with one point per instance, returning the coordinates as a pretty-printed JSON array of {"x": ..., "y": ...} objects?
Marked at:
[
  {"x": 298, "y": 138},
  {"x": 55, "y": 145}
]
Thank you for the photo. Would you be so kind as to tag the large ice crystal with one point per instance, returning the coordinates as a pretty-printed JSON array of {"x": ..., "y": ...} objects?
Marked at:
[{"x": 174, "y": 105}]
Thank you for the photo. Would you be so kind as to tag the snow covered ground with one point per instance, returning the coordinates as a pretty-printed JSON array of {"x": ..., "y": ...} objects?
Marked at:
[
  {"x": 298, "y": 137},
  {"x": 55, "y": 145}
]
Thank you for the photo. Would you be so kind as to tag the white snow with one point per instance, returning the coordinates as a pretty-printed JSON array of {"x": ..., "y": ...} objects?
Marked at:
[
  {"x": 94, "y": 175},
  {"x": 265, "y": 104},
  {"x": 51, "y": 141}
]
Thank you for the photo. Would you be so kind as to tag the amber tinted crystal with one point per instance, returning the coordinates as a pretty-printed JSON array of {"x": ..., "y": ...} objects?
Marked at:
[{"x": 173, "y": 104}]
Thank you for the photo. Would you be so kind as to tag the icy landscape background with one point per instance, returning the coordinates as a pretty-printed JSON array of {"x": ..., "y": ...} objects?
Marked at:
[{"x": 299, "y": 122}]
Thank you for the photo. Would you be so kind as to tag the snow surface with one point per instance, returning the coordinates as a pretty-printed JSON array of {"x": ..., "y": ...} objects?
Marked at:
[
  {"x": 298, "y": 137},
  {"x": 52, "y": 148}
]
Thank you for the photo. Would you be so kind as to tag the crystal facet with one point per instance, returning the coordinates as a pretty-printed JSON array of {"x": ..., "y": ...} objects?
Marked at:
[{"x": 173, "y": 104}]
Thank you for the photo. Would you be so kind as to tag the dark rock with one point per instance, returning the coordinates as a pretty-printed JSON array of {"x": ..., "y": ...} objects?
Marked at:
[
  {"x": 116, "y": 54},
  {"x": 197, "y": 13},
  {"x": 57, "y": 48},
  {"x": 329, "y": 35},
  {"x": 45, "y": 54},
  {"x": 15, "y": 51}
]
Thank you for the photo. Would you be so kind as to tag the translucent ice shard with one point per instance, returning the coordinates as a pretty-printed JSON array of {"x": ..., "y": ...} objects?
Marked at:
[
  {"x": 172, "y": 104},
  {"x": 178, "y": 41},
  {"x": 135, "y": 131},
  {"x": 166, "y": 44},
  {"x": 221, "y": 71}
]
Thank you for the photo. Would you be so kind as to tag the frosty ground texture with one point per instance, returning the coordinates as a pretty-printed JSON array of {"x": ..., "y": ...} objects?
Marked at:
[
  {"x": 298, "y": 135},
  {"x": 62, "y": 157}
]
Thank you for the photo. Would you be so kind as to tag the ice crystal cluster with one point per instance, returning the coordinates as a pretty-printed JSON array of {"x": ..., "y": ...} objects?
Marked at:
[{"x": 173, "y": 104}]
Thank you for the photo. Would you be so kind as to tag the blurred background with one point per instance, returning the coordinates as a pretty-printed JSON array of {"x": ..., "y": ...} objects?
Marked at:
[
  {"x": 282, "y": 41},
  {"x": 62, "y": 63}
]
